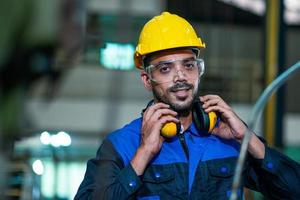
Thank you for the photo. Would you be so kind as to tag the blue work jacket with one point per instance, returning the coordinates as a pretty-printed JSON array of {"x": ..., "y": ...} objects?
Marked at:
[{"x": 192, "y": 165}]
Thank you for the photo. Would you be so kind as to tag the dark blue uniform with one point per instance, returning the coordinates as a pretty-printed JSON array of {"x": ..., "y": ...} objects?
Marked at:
[{"x": 189, "y": 166}]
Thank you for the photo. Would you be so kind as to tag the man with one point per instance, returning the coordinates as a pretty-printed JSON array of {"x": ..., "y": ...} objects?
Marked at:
[{"x": 137, "y": 162}]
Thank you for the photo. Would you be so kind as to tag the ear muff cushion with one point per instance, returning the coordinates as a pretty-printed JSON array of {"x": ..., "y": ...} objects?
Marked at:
[{"x": 200, "y": 117}]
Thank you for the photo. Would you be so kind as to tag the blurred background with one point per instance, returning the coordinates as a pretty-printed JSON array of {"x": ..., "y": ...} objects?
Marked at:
[{"x": 67, "y": 79}]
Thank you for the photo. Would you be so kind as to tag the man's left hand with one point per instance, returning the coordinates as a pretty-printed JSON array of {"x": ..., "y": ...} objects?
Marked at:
[{"x": 230, "y": 126}]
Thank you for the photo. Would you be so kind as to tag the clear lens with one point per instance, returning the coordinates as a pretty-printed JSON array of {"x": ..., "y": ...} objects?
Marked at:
[{"x": 166, "y": 71}]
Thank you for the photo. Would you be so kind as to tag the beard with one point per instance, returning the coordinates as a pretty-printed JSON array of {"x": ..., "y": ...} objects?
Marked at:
[{"x": 185, "y": 106}]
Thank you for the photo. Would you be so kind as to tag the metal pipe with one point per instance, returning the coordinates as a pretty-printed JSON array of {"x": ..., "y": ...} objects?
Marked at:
[{"x": 258, "y": 107}]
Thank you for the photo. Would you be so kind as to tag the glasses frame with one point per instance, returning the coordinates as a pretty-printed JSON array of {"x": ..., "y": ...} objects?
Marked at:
[{"x": 198, "y": 60}]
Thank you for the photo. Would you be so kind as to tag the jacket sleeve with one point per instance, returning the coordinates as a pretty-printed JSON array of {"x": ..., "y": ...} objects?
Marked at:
[
  {"x": 106, "y": 177},
  {"x": 276, "y": 176}
]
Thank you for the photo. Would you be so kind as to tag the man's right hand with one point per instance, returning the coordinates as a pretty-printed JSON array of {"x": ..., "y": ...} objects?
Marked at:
[{"x": 151, "y": 141}]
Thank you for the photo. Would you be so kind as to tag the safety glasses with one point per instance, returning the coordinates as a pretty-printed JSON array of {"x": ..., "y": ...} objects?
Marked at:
[{"x": 166, "y": 71}]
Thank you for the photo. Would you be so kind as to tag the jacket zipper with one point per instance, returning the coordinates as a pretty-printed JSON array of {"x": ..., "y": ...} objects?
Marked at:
[
  {"x": 186, "y": 152},
  {"x": 184, "y": 145}
]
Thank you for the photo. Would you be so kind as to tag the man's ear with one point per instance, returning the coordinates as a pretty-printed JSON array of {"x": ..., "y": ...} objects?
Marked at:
[{"x": 146, "y": 81}]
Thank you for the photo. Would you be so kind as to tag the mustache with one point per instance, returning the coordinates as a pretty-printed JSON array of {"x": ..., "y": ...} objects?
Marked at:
[{"x": 180, "y": 86}]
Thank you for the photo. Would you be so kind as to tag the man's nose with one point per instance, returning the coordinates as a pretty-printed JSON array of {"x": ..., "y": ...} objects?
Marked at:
[{"x": 179, "y": 73}]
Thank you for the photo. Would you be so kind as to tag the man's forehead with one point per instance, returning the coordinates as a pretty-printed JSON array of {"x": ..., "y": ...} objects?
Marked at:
[{"x": 172, "y": 55}]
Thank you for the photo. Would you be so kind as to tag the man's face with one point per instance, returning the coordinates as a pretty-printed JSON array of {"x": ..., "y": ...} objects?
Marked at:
[{"x": 179, "y": 91}]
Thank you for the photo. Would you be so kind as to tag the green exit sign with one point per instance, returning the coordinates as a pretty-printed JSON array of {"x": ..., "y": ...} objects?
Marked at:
[{"x": 117, "y": 56}]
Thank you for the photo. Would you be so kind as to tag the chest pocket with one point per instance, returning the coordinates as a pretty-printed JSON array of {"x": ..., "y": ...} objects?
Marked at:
[
  {"x": 160, "y": 180},
  {"x": 159, "y": 174},
  {"x": 221, "y": 168},
  {"x": 221, "y": 173},
  {"x": 220, "y": 179}
]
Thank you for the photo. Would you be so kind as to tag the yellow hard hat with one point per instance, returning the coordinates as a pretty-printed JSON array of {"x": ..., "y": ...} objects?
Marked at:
[{"x": 165, "y": 31}]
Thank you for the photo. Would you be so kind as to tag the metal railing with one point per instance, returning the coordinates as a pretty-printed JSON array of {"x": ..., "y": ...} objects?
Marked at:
[{"x": 258, "y": 107}]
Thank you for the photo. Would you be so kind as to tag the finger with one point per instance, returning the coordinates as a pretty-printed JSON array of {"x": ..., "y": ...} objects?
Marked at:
[
  {"x": 150, "y": 110},
  {"x": 161, "y": 113},
  {"x": 167, "y": 119},
  {"x": 224, "y": 112},
  {"x": 155, "y": 107},
  {"x": 208, "y": 97},
  {"x": 158, "y": 124},
  {"x": 213, "y": 102}
]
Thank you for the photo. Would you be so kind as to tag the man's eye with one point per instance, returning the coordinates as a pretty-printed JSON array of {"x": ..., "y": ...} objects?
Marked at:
[
  {"x": 164, "y": 68},
  {"x": 190, "y": 65}
]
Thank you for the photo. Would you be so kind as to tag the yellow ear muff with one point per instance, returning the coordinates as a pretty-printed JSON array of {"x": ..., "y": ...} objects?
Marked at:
[
  {"x": 169, "y": 130},
  {"x": 212, "y": 120}
]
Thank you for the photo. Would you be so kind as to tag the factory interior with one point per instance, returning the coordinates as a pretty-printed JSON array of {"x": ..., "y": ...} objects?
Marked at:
[{"x": 67, "y": 79}]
